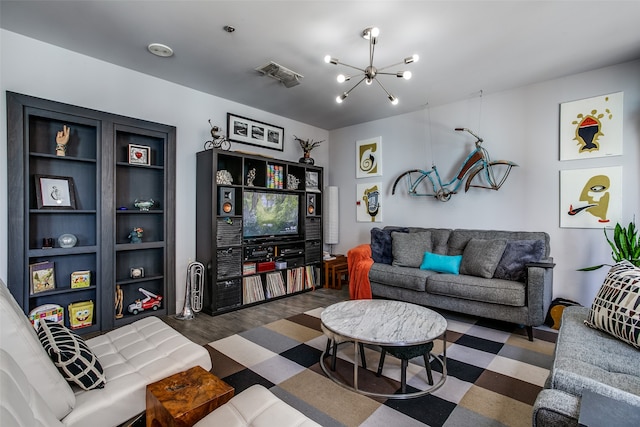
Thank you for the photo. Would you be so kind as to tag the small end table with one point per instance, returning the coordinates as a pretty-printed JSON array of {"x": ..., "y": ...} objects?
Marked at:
[
  {"x": 333, "y": 269},
  {"x": 183, "y": 399}
]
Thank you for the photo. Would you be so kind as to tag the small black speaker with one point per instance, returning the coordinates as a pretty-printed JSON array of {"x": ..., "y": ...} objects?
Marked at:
[
  {"x": 226, "y": 201},
  {"x": 311, "y": 204}
]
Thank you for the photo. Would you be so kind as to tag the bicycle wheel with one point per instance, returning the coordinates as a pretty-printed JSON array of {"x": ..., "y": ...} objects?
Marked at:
[
  {"x": 495, "y": 173},
  {"x": 225, "y": 145},
  {"x": 410, "y": 182}
]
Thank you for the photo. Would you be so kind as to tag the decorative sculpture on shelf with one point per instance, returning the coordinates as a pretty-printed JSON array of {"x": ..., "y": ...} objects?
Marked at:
[
  {"x": 118, "y": 302},
  {"x": 62, "y": 138},
  {"x": 292, "y": 182},
  {"x": 136, "y": 235},
  {"x": 307, "y": 146},
  {"x": 223, "y": 177},
  {"x": 144, "y": 204},
  {"x": 251, "y": 176},
  {"x": 218, "y": 141}
]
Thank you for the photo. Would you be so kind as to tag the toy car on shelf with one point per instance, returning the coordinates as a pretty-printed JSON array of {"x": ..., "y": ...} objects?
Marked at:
[{"x": 150, "y": 302}]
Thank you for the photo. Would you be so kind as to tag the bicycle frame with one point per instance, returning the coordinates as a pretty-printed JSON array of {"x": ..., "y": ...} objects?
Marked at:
[{"x": 475, "y": 162}]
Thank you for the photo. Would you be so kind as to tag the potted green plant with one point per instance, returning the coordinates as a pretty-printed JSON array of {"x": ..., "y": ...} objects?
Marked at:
[{"x": 625, "y": 245}]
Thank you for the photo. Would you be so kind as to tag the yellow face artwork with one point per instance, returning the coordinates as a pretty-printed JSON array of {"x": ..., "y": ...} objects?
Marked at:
[{"x": 596, "y": 194}]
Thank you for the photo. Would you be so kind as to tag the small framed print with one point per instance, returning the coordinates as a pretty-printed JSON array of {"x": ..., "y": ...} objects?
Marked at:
[
  {"x": 42, "y": 277},
  {"x": 139, "y": 155},
  {"x": 55, "y": 192}
]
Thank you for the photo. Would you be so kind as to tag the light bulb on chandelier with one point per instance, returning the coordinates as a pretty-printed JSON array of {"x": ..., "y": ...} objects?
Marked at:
[{"x": 370, "y": 73}]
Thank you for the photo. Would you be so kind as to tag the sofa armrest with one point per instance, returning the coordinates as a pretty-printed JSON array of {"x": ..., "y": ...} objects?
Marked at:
[
  {"x": 556, "y": 408},
  {"x": 539, "y": 290}
]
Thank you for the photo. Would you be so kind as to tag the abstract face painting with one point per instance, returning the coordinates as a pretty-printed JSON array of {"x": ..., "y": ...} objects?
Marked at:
[
  {"x": 591, "y": 198},
  {"x": 591, "y": 127}
]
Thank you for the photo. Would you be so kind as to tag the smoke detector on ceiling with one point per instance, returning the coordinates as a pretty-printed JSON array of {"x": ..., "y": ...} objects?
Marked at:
[{"x": 276, "y": 71}]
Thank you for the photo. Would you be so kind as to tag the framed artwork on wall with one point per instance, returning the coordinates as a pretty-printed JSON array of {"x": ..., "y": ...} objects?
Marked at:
[
  {"x": 591, "y": 127},
  {"x": 591, "y": 198},
  {"x": 368, "y": 203},
  {"x": 55, "y": 192},
  {"x": 139, "y": 155},
  {"x": 369, "y": 157},
  {"x": 253, "y": 132}
]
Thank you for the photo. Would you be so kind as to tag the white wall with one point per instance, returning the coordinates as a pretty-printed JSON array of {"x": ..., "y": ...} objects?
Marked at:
[
  {"x": 520, "y": 125},
  {"x": 38, "y": 69}
]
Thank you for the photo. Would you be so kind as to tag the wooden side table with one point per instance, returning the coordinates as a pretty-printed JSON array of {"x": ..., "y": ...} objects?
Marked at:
[
  {"x": 333, "y": 269},
  {"x": 183, "y": 399}
]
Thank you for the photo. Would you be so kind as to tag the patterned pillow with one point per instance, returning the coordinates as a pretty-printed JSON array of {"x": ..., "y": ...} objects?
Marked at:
[
  {"x": 616, "y": 307},
  {"x": 71, "y": 355}
]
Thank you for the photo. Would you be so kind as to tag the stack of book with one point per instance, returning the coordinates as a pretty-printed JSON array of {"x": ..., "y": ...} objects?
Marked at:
[
  {"x": 295, "y": 280},
  {"x": 310, "y": 277},
  {"x": 248, "y": 268},
  {"x": 252, "y": 289},
  {"x": 275, "y": 176},
  {"x": 275, "y": 285}
]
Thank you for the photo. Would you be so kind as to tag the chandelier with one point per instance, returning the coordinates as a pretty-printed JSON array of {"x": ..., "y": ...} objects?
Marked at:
[{"x": 370, "y": 73}]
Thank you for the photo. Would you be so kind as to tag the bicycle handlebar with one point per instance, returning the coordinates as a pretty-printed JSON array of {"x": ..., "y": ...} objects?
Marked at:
[{"x": 471, "y": 132}]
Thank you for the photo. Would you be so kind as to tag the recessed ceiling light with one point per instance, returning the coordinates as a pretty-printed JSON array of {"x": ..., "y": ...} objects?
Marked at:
[{"x": 160, "y": 50}]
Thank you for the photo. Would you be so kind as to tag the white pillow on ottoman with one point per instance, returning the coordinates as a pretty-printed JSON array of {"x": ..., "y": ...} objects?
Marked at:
[{"x": 616, "y": 307}]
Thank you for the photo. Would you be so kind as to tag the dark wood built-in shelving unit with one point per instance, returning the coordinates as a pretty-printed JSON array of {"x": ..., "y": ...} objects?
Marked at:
[
  {"x": 220, "y": 242},
  {"x": 97, "y": 159}
]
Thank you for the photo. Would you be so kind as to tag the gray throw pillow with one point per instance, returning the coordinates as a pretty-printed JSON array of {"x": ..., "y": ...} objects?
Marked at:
[
  {"x": 409, "y": 248},
  {"x": 517, "y": 255},
  {"x": 481, "y": 257}
]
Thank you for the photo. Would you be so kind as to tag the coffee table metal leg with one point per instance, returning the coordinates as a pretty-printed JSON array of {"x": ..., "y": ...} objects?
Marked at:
[{"x": 356, "y": 348}]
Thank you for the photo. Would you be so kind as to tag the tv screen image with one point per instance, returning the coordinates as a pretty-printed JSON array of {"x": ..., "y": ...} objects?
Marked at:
[{"x": 267, "y": 214}]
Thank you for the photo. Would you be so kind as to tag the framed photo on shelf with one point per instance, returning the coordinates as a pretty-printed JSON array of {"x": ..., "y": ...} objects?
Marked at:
[
  {"x": 253, "y": 132},
  {"x": 311, "y": 181},
  {"x": 139, "y": 155},
  {"x": 41, "y": 277},
  {"x": 55, "y": 192}
]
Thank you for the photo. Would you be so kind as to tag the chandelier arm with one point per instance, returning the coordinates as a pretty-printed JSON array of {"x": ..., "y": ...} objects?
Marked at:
[
  {"x": 350, "y": 66},
  {"x": 355, "y": 86},
  {"x": 387, "y": 74},
  {"x": 383, "y": 88},
  {"x": 389, "y": 66}
]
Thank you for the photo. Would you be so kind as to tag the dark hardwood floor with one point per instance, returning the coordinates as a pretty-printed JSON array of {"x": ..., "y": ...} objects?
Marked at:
[{"x": 205, "y": 329}]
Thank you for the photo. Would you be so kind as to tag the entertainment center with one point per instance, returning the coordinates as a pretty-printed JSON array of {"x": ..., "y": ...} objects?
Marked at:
[{"x": 259, "y": 228}]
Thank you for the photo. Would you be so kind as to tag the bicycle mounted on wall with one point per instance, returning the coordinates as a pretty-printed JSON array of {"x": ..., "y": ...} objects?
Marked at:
[{"x": 495, "y": 173}]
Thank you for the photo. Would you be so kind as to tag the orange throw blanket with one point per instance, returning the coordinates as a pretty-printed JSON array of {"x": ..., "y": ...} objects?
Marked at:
[{"x": 359, "y": 262}]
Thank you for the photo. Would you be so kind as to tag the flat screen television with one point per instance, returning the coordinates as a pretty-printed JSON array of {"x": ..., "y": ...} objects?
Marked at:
[{"x": 270, "y": 215}]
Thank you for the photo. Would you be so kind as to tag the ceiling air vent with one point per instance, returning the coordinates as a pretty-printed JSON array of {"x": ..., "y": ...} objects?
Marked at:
[{"x": 288, "y": 77}]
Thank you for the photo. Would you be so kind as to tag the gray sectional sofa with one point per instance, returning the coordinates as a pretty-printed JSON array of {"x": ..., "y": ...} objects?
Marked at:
[
  {"x": 503, "y": 275},
  {"x": 595, "y": 376}
]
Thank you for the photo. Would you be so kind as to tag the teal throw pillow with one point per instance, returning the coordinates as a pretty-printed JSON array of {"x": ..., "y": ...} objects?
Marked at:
[{"x": 441, "y": 263}]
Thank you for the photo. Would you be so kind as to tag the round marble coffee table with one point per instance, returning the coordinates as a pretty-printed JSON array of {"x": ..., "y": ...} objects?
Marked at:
[{"x": 385, "y": 323}]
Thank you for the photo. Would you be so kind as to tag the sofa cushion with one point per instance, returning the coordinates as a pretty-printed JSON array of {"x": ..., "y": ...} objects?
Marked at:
[
  {"x": 71, "y": 355},
  {"x": 439, "y": 238},
  {"x": 593, "y": 359},
  {"x": 481, "y": 257},
  {"x": 441, "y": 263},
  {"x": 19, "y": 339},
  {"x": 409, "y": 248},
  {"x": 21, "y": 405},
  {"x": 381, "y": 249},
  {"x": 616, "y": 308},
  {"x": 495, "y": 291},
  {"x": 517, "y": 254},
  {"x": 401, "y": 277},
  {"x": 256, "y": 407}
]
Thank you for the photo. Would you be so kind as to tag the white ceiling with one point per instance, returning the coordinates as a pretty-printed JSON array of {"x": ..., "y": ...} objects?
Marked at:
[{"x": 465, "y": 46}]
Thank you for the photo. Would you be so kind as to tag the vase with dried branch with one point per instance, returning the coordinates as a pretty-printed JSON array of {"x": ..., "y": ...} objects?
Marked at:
[{"x": 307, "y": 145}]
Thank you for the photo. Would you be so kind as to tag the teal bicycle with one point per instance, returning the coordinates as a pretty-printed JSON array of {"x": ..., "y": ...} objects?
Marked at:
[{"x": 489, "y": 174}]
